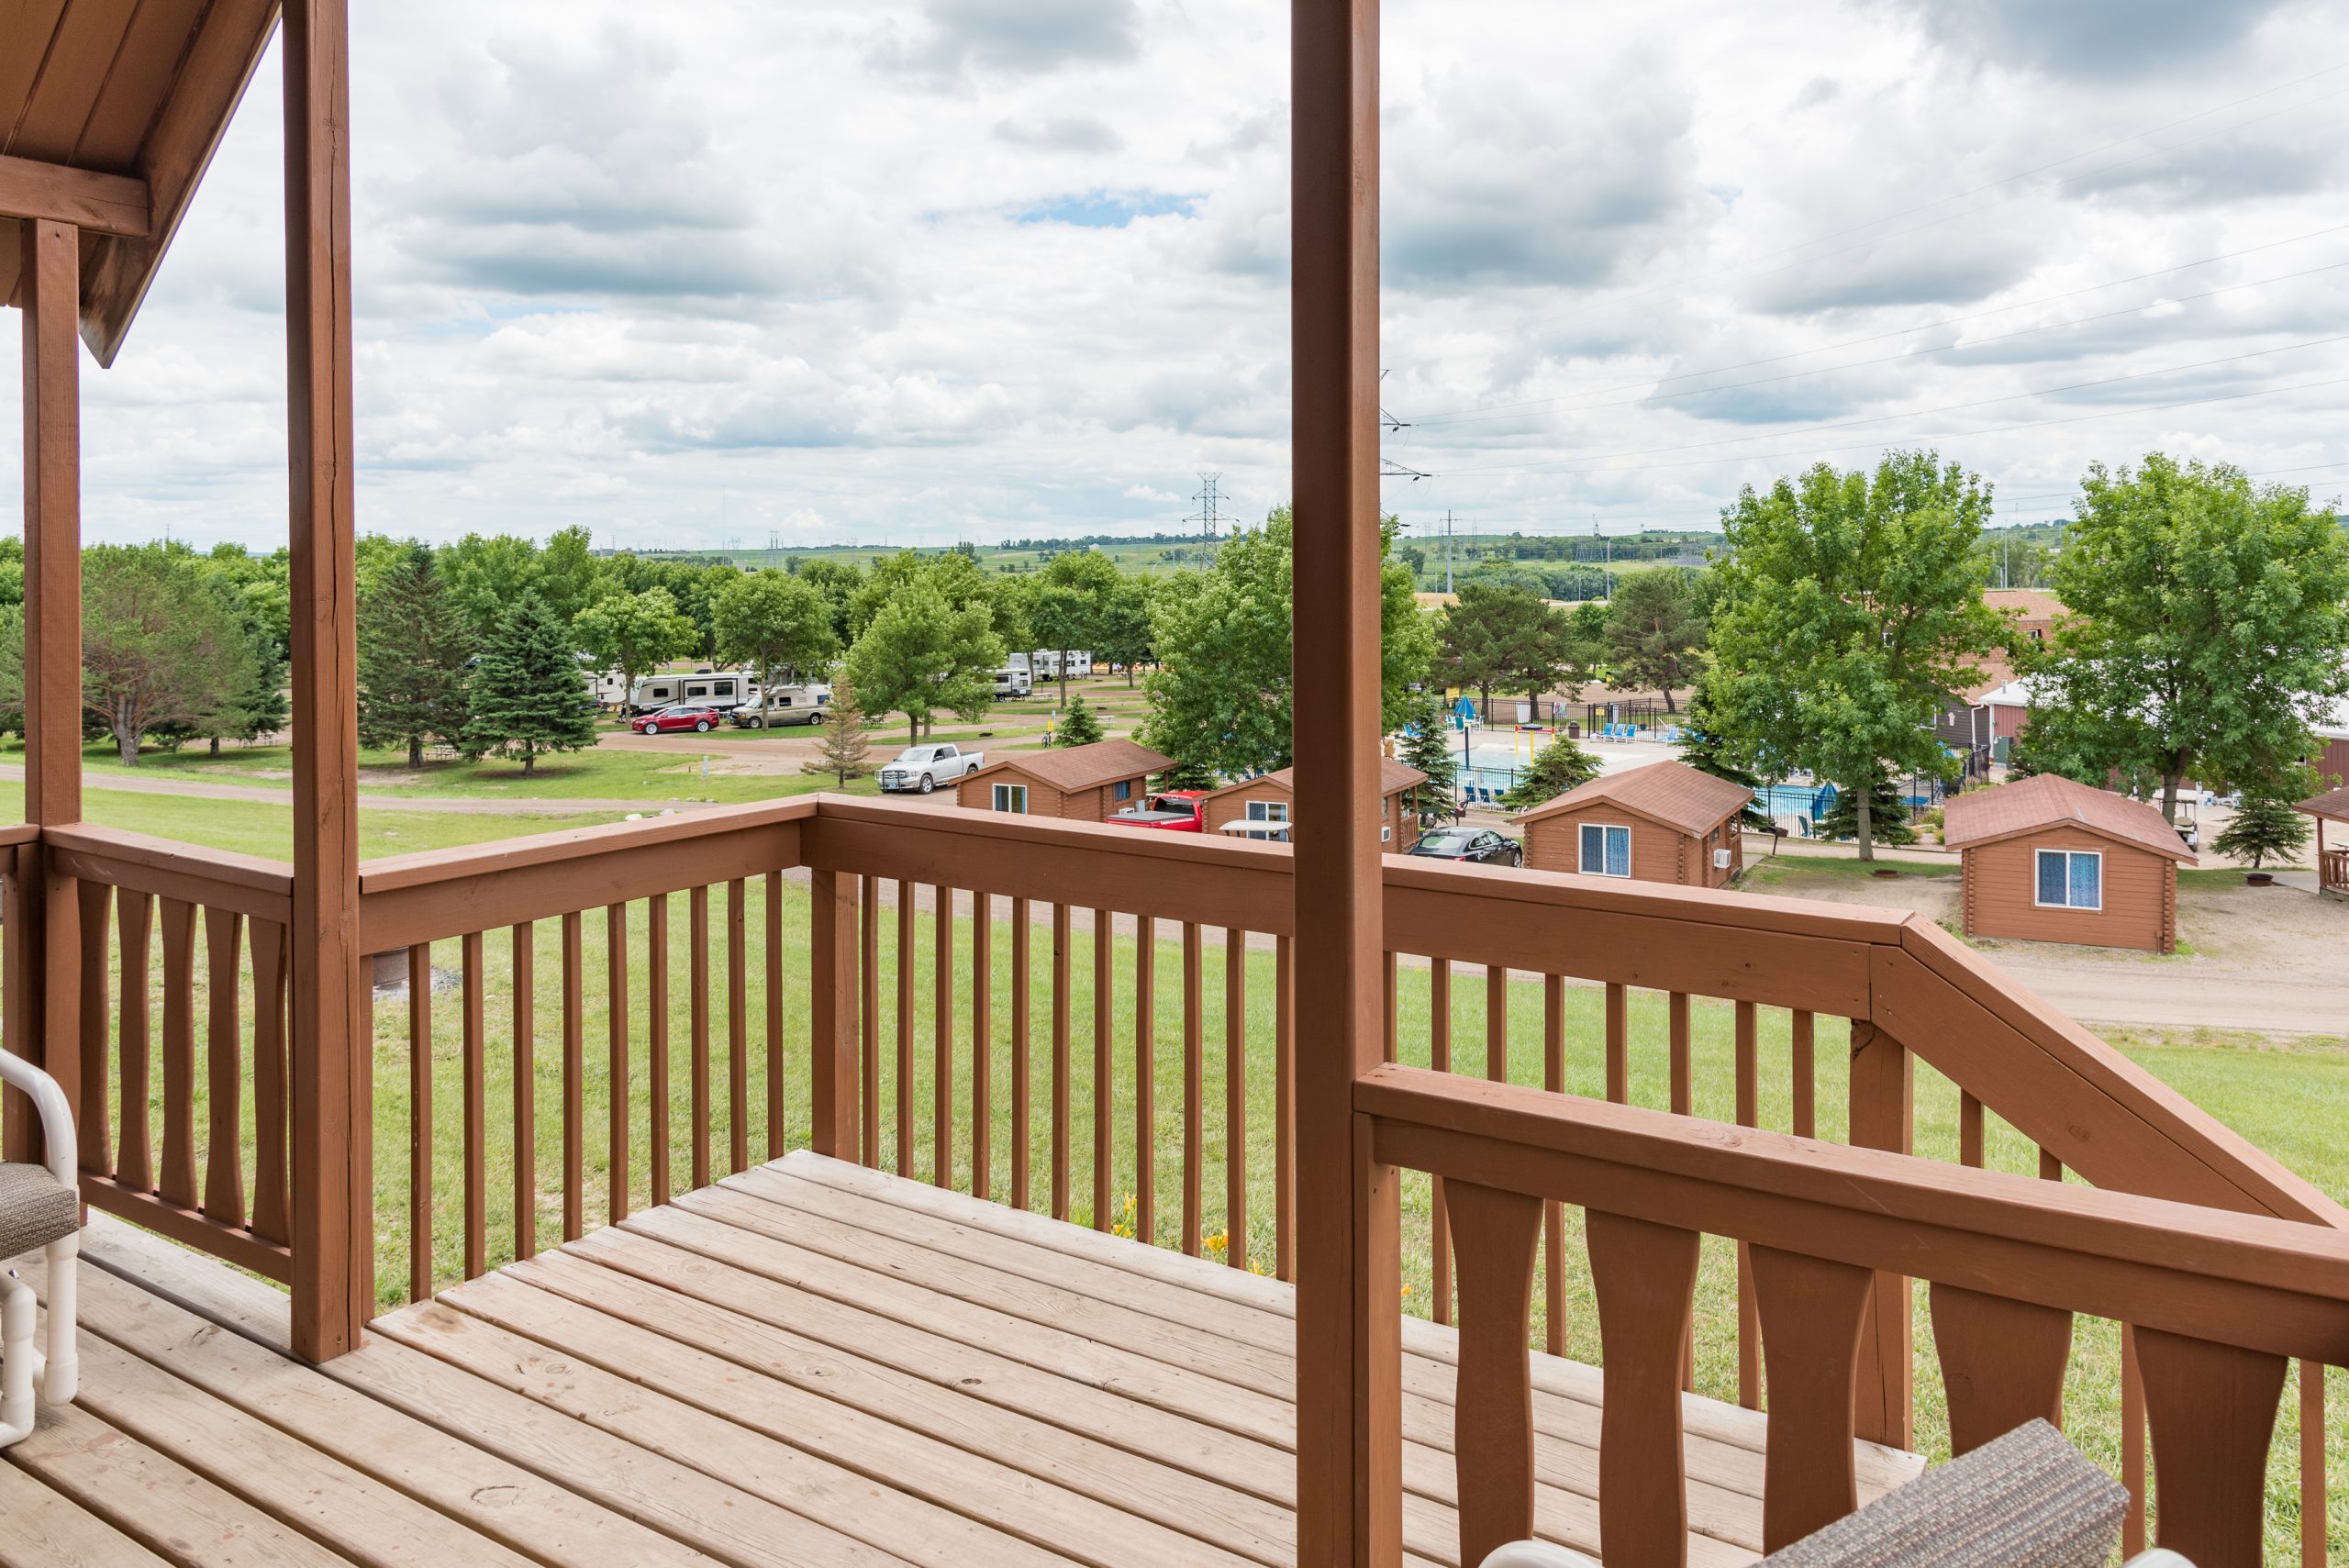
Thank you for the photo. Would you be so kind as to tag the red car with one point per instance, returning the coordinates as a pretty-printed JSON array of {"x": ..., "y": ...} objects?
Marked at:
[
  {"x": 1176, "y": 811},
  {"x": 700, "y": 717}
]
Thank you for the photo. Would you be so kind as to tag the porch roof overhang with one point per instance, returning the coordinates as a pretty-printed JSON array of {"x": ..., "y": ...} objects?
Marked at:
[{"x": 110, "y": 115}]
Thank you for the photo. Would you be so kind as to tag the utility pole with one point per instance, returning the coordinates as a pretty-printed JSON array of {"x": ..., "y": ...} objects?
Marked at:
[
  {"x": 1209, "y": 517},
  {"x": 1447, "y": 550}
]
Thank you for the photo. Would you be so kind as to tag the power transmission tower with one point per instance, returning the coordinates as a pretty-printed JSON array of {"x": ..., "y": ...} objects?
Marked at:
[
  {"x": 1447, "y": 550},
  {"x": 1209, "y": 517}
]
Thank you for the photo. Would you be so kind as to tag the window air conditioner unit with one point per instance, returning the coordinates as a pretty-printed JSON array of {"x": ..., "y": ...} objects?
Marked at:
[{"x": 1720, "y": 859}]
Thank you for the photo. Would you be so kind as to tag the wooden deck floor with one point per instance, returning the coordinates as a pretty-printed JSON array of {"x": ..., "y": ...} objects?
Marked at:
[{"x": 810, "y": 1364}]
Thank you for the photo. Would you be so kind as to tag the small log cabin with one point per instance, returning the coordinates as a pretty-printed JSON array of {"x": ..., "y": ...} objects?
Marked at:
[
  {"x": 1271, "y": 799},
  {"x": 1079, "y": 783},
  {"x": 1666, "y": 822},
  {"x": 2048, "y": 860}
]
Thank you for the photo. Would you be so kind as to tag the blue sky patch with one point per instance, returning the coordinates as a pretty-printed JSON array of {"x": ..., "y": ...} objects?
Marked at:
[{"x": 1105, "y": 209}]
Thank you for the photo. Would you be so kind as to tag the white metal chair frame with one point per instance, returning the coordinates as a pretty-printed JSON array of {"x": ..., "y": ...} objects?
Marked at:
[{"x": 23, "y": 1365}]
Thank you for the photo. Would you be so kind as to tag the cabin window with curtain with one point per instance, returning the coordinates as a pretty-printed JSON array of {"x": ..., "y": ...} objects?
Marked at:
[
  {"x": 1012, "y": 799},
  {"x": 1123, "y": 790},
  {"x": 1606, "y": 850},
  {"x": 2070, "y": 879},
  {"x": 1268, "y": 811}
]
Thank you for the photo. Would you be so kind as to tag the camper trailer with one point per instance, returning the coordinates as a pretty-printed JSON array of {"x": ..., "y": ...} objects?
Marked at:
[
  {"x": 1046, "y": 664},
  {"x": 1013, "y": 681},
  {"x": 724, "y": 689},
  {"x": 781, "y": 707}
]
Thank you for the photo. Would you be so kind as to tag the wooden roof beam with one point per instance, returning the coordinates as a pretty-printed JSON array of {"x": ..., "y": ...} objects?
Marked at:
[{"x": 93, "y": 202}]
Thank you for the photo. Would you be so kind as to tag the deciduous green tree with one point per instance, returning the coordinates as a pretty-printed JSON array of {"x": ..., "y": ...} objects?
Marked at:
[
  {"x": 1851, "y": 605},
  {"x": 1219, "y": 699},
  {"x": 528, "y": 696},
  {"x": 769, "y": 620},
  {"x": 633, "y": 634},
  {"x": 920, "y": 654},
  {"x": 413, "y": 648},
  {"x": 2207, "y": 627},
  {"x": 161, "y": 645},
  {"x": 1654, "y": 631}
]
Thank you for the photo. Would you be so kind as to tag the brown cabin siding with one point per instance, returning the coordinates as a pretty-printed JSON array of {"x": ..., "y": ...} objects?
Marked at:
[
  {"x": 976, "y": 792},
  {"x": 1231, "y": 802},
  {"x": 1658, "y": 854},
  {"x": 2140, "y": 894}
]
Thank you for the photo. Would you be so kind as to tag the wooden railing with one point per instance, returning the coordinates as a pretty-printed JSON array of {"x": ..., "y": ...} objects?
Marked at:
[
  {"x": 1067, "y": 1016},
  {"x": 2217, "y": 1305},
  {"x": 2333, "y": 869}
]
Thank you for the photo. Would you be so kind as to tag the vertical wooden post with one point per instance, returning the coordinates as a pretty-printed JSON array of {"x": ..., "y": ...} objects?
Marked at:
[
  {"x": 1883, "y": 1116},
  {"x": 1349, "y": 1436},
  {"x": 333, "y": 1157},
  {"x": 49, "y": 993}
]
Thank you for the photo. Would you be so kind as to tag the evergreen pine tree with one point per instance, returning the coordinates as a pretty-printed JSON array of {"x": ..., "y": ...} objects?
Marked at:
[
  {"x": 1701, "y": 748},
  {"x": 413, "y": 644},
  {"x": 1079, "y": 725},
  {"x": 1888, "y": 815},
  {"x": 1560, "y": 766},
  {"x": 844, "y": 752},
  {"x": 2267, "y": 828},
  {"x": 1427, "y": 747},
  {"x": 529, "y": 696}
]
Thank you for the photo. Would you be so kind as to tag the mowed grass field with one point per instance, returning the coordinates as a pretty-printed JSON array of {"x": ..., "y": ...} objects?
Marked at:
[{"x": 2290, "y": 1098}]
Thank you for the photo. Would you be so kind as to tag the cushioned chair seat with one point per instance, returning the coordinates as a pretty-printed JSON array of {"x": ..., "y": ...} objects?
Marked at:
[
  {"x": 2027, "y": 1500},
  {"x": 34, "y": 1210}
]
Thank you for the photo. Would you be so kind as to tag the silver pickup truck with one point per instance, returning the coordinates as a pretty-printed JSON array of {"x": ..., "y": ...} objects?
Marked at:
[{"x": 918, "y": 770}]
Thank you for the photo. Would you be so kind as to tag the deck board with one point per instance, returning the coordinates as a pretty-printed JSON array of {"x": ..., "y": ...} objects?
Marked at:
[{"x": 810, "y": 1363}]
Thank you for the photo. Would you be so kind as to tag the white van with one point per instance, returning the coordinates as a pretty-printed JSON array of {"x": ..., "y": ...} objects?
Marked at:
[
  {"x": 782, "y": 705},
  {"x": 718, "y": 688}
]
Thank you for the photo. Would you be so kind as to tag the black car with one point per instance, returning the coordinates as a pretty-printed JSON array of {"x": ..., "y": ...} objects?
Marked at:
[{"x": 1479, "y": 844}]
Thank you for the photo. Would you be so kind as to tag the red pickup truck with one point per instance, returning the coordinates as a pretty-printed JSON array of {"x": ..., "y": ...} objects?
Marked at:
[{"x": 1176, "y": 811}]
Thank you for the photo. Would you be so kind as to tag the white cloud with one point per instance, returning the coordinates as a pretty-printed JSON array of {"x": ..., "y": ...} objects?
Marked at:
[{"x": 917, "y": 269}]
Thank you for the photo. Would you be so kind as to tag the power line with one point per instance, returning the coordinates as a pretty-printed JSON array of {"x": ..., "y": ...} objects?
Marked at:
[
  {"x": 1512, "y": 410},
  {"x": 1913, "y": 413}
]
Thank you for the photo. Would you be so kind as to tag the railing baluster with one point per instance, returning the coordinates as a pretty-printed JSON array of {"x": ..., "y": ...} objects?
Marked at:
[
  {"x": 1618, "y": 1042},
  {"x": 982, "y": 1043},
  {"x": 175, "y": 1180},
  {"x": 475, "y": 1114},
  {"x": 1440, "y": 1212},
  {"x": 1104, "y": 1069},
  {"x": 903, "y": 1120},
  {"x": 738, "y": 1026},
  {"x": 2212, "y": 1412},
  {"x": 869, "y": 1016},
  {"x": 2315, "y": 1523},
  {"x": 268, "y": 941},
  {"x": 224, "y": 1050},
  {"x": 1969, "y": 1130},
  {"x": 1021, "y": 921},
  {"x": 1193, "y": 1087},
  {"x": 1235, "y": 1097},
  {"x": 1497, "y": 1023},
  {"x": 2002, "y": 1362},
  {"x": 1748, "y": 1114},
  {"x": 1493, "y": 1436},
  {"x": 574, "y": 1075},
  {"x": 1554, "y": 1213},
  {"x": 656, "y": 1042},
  {"x": 419, "y": 1121},
  {"x": 1060, "y": 1061},
  {"x": 1811, "y": 1311},
  {"x": 1802, "y": 1034},
  {"x": 1390, "y": 991},
  {"x": 2051, "y": 1168},
  {"x": 1284, "y": 1111},
  {"x": 697, "y": 1024},
  {"x": 95, "y": 1138},
  {"x": 1145, "y": 1079},
  {"x": 526, "y": 1092},
  {"x": 616, "y": 1008},
  {"x": 132, "y": 1168},
  {"x": 777, "y": 1139},
  {"x": 941, "y": 1040},
  {"x": 1644, "y": 1277},
  {"x": 1683, "y": 1071},
  {"x": 2133, "y": 1445}
]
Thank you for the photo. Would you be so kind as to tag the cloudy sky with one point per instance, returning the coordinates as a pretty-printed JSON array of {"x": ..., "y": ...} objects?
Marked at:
[{"x": 916, "y": 270}]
